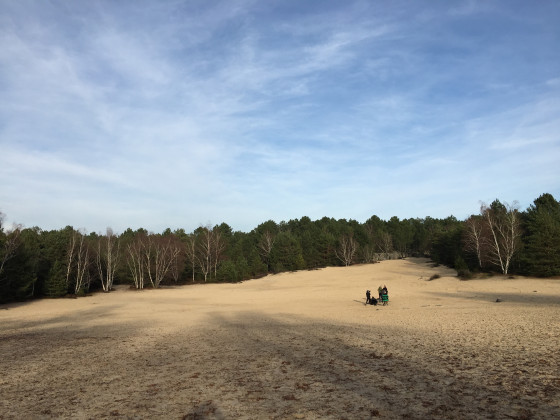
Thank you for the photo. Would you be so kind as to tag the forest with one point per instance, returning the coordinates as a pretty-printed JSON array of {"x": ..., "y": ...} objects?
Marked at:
[{"x": 35, "y": 263}]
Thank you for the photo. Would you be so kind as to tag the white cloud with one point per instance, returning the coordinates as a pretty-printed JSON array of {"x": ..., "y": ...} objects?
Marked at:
[{"x": 182, "y": 113}]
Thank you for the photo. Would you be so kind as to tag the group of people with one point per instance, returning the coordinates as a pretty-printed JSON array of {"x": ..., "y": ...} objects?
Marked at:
[{"x": 383, "y": 296}]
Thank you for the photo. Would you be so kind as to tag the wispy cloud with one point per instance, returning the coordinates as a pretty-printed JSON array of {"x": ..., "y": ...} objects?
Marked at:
[{"x": 168, "y": 113}]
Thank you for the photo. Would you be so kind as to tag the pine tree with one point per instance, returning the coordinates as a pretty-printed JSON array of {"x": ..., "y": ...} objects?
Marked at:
[
  {"x": 55, "y": 285},
  {"x": 542, "y": 238}
]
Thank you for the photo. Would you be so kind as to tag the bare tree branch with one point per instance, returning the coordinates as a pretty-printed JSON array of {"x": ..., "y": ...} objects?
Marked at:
[
  {"x": 135, "y": 260},
  {"x": 10, "y": 246},
  {"x": 82, "y": 265},
  {"x": 265, "y": 246},
  {"x": 347, "y": 249},
  {"x": 107, "y": 258},
  {"x": 474, "y": 238},
  {"x": 504, "y": 227},
  {"x": 190, "y": 250},
  {"x": 205, "y": 252}
]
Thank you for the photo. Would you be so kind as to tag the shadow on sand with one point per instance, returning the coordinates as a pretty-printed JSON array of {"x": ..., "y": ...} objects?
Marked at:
[
  {"x": 533, "y": 298},
  {"x": 255, "y": 366}
]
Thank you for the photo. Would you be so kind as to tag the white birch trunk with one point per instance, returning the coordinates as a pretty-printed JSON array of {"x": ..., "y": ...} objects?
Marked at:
[
  {"x": 347, "y": 249},
  {"x": 70, "y": 257},
  {"x": 82, "y": 265}
]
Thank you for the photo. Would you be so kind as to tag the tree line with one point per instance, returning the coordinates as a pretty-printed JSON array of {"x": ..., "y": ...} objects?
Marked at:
[{"x": 501, "y": 238}]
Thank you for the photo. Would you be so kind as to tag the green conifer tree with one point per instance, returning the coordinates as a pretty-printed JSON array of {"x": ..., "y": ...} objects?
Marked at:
[
  {"x": 542, "y": 237},
  {"x": 55, "y": 285}
]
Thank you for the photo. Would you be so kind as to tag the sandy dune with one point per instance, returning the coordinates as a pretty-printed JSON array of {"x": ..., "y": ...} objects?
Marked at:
[{"x": 294, "y": 345}]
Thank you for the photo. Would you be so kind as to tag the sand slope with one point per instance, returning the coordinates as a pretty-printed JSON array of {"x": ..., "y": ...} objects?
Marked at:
[{"x": 294, "y": 345}]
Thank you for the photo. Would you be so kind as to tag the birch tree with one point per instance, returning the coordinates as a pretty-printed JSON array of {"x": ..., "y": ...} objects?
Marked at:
[
  {"x": 107, "y": 258},
  {"x": 159, "y": 255},
  {"x": 191, "y": 252},
  {"x": 347, "y": 249},
  {"x": 135, "y": 260},
  {"x": 503, "y": 224},
  {"x": 474, "y": 239},
  {"x": 70, "y": 256},
  {"x": 266, "y": 243},
  {"x": 175, "y": 267},
  {"x": 218, "y": 248},
  {"x": 82, "y": 257},
  {"x": 205, "y": 251}
]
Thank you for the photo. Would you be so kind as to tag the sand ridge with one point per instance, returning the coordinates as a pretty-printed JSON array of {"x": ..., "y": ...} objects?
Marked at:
[{"x": 292, "y": 345}]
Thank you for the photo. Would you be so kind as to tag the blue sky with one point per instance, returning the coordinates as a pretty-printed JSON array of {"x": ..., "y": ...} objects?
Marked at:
[{"x": 177, "y": 114}]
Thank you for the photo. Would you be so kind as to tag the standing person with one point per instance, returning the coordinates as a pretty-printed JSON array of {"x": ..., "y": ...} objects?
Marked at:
[
  {"x": 368, "y": 295},
  {"x": 385, "y": 296},
  {"x": 380, "y": 291}
]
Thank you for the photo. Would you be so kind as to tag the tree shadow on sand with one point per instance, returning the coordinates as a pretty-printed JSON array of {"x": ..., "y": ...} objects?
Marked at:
[
  {"x": 255, "y": 366},
  {"x": 261, "y": 367},
  {"x": 344, "y": 371},
  {"x": 533, "y": 298}
]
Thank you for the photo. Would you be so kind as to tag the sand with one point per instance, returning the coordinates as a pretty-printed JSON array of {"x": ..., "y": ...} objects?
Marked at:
[{"x": 295, "y": 345}]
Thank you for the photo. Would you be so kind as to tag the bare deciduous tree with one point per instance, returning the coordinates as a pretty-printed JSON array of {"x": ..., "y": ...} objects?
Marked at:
[
  {"x": 175, "y": 267},
  {"x": 385, "y": 243},
  {"x": 502, "y": 221},
  {"x": 82, "y": 279},
  {"x": 265, "y": 247},
  {"x": 107, "y": 258},
  {"x": 70, "y": 255},
  {"x": 368, "y": 254},
  {"x": 160, "y": 258},
  {"x": 191, "y": 253},
  {"x": 205, "y": 251},
  {"x": 135, "y": 260},
  {"x": 474, "y": 239},
  {"x": 219, "y": 247},
  {"x": 11, "y": 243},
  {"x": 347, "y": 249}
]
